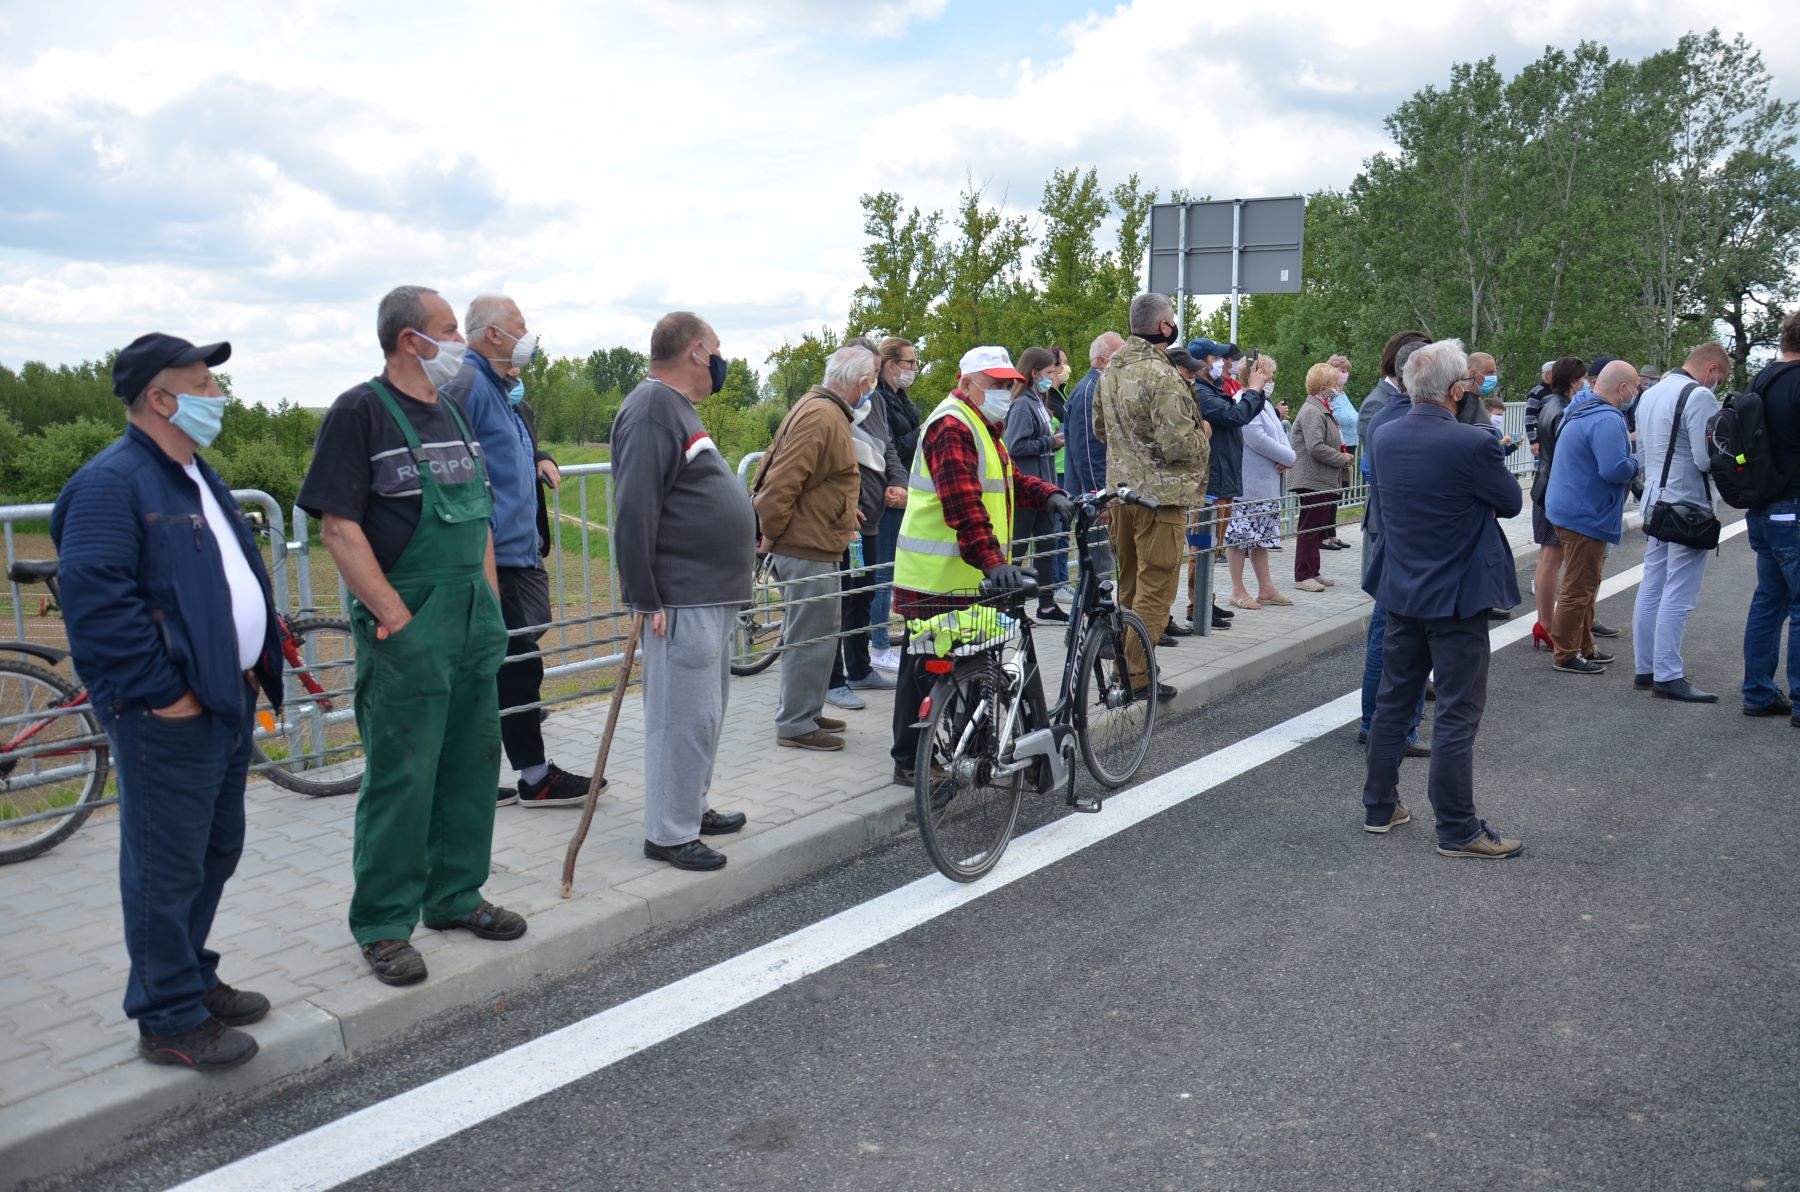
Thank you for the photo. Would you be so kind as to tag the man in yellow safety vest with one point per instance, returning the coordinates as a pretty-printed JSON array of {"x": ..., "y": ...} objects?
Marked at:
[{"x": 959, "y": 518}]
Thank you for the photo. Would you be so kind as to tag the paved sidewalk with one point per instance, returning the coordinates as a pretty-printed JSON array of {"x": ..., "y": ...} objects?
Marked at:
[{"x": 70, "y": 1084}]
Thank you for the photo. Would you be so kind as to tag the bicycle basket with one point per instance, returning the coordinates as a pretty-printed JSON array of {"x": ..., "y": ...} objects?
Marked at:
[{"x": 958, "y": 624}]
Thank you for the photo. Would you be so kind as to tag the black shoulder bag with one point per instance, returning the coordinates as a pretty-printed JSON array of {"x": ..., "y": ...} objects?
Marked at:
[{"x": 1682, "y": 523}]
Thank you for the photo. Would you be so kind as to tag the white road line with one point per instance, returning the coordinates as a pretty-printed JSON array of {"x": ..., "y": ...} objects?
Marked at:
[{"x": 361, "y": 1142}]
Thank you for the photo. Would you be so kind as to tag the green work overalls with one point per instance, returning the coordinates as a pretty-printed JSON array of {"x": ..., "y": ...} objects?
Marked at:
[{"x": 429, "y": 713}]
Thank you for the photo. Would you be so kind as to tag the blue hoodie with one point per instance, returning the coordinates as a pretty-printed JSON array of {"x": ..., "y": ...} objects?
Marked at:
[{"x": 1593, "y": 468}]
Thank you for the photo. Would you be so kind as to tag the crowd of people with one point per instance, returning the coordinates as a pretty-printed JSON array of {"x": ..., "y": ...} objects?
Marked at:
[{"x": 430, "y": 487}]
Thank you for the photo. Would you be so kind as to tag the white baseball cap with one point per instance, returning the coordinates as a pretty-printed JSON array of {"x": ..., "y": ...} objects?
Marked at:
[{"x": 990, "y": 360}]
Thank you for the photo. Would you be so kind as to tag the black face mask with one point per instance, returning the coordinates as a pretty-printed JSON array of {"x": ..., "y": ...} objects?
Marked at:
[
  {"x": 715, "y": 364},
  {"x": 1159, "y": 338}
]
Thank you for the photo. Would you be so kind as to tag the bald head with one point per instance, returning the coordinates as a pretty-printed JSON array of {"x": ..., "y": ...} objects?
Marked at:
[
  {"x": 1617, "y": 383},
  {"x": 1709, "y": 364}
]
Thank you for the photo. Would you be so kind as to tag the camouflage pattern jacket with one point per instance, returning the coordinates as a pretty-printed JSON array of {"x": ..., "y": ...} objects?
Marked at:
[{"x": 1145, "y": 414}]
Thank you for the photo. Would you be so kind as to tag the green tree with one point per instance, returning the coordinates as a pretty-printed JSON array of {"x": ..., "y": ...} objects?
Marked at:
[
  {"x": 906, "y": 268},
  {"x": 981, "y": 284},
  {"x": 795, "y": 368}
]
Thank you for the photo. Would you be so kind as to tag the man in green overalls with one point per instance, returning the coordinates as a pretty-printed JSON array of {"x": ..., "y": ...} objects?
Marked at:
[{"x": 400, "y": 486}]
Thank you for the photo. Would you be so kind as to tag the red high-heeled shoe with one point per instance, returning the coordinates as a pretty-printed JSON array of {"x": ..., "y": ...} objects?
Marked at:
[{"x": 1540, "y": 638}]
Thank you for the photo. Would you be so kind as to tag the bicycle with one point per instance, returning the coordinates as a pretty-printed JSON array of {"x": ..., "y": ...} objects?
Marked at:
[
  {"x": 54, "y": 758},
  {"x": 756, "y": 640},
  {"x": 984, "y": 727}
]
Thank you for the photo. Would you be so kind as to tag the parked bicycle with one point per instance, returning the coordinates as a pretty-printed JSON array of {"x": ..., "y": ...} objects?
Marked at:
[
  {"x": 54, "y": 760},
  {"x": 985, "y": 730},
  {"x": 756, "y": 641}
]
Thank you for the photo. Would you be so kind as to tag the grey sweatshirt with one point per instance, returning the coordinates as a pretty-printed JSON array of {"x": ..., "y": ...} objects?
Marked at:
[
  {"x": 1655, "y": 416},
  {"x": 684, "y": 533}
]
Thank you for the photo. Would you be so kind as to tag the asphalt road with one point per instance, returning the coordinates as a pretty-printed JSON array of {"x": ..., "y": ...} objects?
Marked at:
[{"x": 1244, "y": 992}]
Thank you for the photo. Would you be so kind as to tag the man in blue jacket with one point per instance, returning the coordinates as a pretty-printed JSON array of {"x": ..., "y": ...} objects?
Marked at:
[
  {"x": 499, "y": 341},
  {"x": 172, "y": 626},
  {"x": 1586, "y": 503},
  {"x": 1443, "y": 563},
  {"x": 1084, "y": 456}
]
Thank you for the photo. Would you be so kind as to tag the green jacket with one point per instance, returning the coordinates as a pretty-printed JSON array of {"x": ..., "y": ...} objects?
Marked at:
[{"x": 1146, "y": 415}]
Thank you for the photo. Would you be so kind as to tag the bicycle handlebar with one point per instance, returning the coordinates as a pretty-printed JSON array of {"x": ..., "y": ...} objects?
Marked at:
[{"x": 1107, "y": 496}]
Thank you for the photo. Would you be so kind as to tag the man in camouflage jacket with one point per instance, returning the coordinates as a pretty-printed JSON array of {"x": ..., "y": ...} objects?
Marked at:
[{"x": 1156, "y": 444}]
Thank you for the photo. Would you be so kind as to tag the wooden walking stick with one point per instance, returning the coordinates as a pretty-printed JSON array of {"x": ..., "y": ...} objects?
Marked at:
[{"x": 606, "y": 736}]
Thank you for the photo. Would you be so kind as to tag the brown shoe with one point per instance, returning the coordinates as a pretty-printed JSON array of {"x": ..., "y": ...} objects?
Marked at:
[
  {"x": 831, "y": 724},
  {"x": 818, "y": 740},
  {"x": 1400, "y": 816},
  {"x": 1487, "y": 845}
]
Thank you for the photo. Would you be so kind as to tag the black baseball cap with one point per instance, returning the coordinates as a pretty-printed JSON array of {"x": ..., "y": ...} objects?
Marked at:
[
  {"x": 1599, "y": 363},
  {"x": 148, "y": 355},
  {"x": 1232, "y": 352},
  {"x": 1180, "y": 359}
]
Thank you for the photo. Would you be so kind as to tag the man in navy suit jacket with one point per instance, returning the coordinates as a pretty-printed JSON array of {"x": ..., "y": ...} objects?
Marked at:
[{"x": 1442, "y": 563}]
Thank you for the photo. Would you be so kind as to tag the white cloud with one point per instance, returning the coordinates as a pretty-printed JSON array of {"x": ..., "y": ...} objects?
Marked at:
[{"x": 267, "y": 171}]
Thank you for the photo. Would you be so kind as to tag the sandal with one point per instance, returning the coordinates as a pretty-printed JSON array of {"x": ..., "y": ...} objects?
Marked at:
[
  {"x": 1275, "y": 598},
  {"x": 1244, "y": 602}
]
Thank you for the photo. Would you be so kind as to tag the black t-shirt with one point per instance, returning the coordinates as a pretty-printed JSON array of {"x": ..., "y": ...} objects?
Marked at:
[
  {"x": 362, "y": 469},
  {"x": 1781, "y": 404}
]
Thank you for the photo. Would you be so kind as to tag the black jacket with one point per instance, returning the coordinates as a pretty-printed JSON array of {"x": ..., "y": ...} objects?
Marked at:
[
  {"x": 902, "y": 421},
  {"x": 1225, "y": 478}
]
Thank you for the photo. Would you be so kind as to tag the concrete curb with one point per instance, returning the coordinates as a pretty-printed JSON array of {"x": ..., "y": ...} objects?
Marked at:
[{"x": 73, "y": 1125}]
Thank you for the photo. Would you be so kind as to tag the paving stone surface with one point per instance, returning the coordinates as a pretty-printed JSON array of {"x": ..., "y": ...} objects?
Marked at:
[{"x": 282, "y": 927}]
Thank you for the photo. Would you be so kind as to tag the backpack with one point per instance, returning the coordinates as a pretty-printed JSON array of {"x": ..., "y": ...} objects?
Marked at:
[{"x": 1742, "y": 463}]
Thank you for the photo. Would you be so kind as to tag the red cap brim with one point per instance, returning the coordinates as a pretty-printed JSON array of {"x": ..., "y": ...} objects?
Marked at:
[{"x": 1003, "y": 374}]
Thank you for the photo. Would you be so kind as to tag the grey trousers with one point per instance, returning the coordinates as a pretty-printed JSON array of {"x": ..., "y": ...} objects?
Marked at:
[
  {"x": 687, "y": 677},
  {"x": 1670, "y": 590},
  {"x": 808, "y": 640}
]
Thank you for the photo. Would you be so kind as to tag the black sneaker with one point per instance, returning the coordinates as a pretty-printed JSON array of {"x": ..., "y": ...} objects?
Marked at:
[
  {"x": 488, "y": 921},
  {"x": 1052, "y": 613},
  {"x": 508, "y": 796},
  {"x": 1220, "y": 620},
  {"x": 1579, "y": 666},
  {"x": 1601, "y": 658},
  {"x": 1779, "y": 706},
  {"x": 1600, "y": 630},
  {"x": 396, "y": 962},
  {"x": 210, "y": 1047},
  {"x": 235, "y": 1007},
  {"x": 1164, "y": 693},
  {"x": 558, "y": 789}
]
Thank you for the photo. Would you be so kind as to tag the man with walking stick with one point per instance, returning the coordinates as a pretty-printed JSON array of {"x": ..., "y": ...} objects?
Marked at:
[{"x": 684, "y": 540}]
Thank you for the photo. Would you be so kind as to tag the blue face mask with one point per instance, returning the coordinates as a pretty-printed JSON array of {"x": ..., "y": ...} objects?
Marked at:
[
  {"x": 199, "y": 418},
  {"x": 1043, "y": 385},
  {"x": 1490, "y": 383},
  {"x": 516, "y": 394}
]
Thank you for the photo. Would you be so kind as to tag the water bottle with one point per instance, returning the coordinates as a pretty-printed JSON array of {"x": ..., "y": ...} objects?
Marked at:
[{"x": 856, "y": 555}]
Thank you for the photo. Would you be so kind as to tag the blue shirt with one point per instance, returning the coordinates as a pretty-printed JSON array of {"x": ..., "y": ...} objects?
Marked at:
[
  {"x": 1345, "y": 413},
  {"x": 512, "y": 463}
]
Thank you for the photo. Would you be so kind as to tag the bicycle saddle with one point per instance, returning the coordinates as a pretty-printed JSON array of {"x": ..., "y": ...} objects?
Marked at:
[{"x": 31, "y": 571}]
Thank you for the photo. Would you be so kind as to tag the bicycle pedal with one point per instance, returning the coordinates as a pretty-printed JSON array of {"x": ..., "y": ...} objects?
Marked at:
[{"x": 1086, "y": 804}]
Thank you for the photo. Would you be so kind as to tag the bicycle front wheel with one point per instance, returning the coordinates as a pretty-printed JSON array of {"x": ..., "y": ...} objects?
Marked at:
[
  {"x": 1115, "y": 709},
  {"x": 756, "y": 639},
  {"x": 311, "y": 746},
  {"x": 53, "y": 761},
  {"x": 966, "y": 814}
]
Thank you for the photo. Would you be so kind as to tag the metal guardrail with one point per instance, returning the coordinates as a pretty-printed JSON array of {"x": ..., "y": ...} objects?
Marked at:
[{"x": 582, "y": 507}]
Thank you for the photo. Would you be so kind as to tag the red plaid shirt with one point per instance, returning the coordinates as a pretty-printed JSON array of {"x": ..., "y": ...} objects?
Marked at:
[{"x": 955, "y": 469}]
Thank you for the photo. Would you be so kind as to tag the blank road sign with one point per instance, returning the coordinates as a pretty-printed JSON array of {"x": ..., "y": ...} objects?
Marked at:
[{"x": 1270, "y": 240}]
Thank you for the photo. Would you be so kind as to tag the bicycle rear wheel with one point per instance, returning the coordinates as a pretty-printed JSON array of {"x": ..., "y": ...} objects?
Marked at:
[
  {"x": 311, "y": 746},
  {"x": 966, "y": 815},
  {"x": 756, "y": 639},
  {"x": 53, "y": 761},
  {"x": 1112, "y": 720}
]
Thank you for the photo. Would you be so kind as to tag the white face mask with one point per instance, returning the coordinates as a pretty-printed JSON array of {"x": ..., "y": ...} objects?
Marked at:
[
  {"x": 906, "y": 379},
  {"x": 996, "y": 402},
  {"x": 1268, "y": 387},
  {"x": 444, "y": 366},
  {"x": 524, "y": 350},
  {"x": 1218, "y": 369}
]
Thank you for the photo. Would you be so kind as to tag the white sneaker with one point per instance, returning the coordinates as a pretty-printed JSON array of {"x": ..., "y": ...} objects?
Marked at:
[
  {"x": 887, "y": 660},
  {"x": 843, "y": 697}
]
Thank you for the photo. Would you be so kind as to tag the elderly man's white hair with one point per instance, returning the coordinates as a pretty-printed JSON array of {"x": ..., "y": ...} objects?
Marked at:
[
  {"x": 1431, "y": 370},
  {"x": 1148, "y": 310},
  {"x": 487, "y": 311},
  {"x": 1105, "y": 344},
  {"x": 848, "y": 368}
]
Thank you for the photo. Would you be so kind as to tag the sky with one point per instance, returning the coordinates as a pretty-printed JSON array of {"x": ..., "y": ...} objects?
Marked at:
[{"x": 263, "y": 172}]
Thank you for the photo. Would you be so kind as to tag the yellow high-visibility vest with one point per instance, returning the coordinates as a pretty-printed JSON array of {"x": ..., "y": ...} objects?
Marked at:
[{"x": 927, "y": 558}]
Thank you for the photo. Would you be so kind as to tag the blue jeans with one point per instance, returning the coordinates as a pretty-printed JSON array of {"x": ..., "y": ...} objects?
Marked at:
[
  {"x": 181, "y": 831},
  {"x": 1775, "y": 537},
  {"x": 1378, "y": 619},
  {"x": 1059, "y": 566},
  {"x": 887, "y": 541}
]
